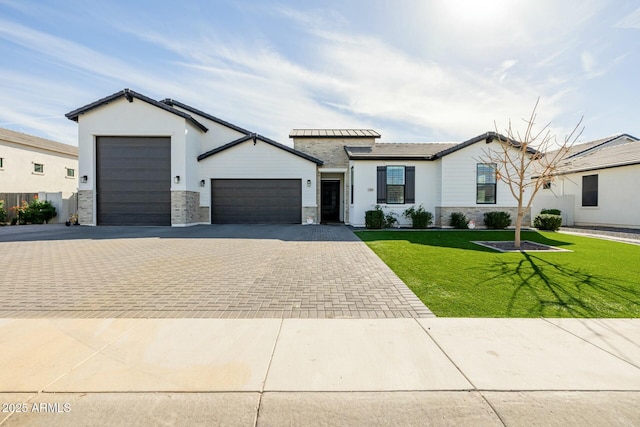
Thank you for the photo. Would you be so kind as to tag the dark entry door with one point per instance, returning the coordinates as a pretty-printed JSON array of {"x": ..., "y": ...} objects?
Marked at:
[
  {"x": 330, "y": 201},
  {"x": 133, "y": 180}
]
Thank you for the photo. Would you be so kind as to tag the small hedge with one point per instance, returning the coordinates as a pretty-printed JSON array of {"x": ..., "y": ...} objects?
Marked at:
[
  {"x": 3, "y": 213},
  {"x": 419, "y": 217},
  {"x": 459, "y": 220},
  {"x": 374, "y": 219},
  {"x": 551, "y": 211},
  {"x": 547, "y": 222},
  {"x": 497, "y": 220}
]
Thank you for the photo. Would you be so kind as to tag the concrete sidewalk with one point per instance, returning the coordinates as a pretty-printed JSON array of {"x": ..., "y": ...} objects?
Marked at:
[{"x": 319, "y": 372}]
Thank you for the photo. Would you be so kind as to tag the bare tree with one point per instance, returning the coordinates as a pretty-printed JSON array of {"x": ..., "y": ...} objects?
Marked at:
[{"x": 532, "y": 164}]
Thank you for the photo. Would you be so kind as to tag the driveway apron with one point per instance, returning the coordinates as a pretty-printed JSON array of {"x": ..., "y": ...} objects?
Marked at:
[{"x": 216, "y": 271}]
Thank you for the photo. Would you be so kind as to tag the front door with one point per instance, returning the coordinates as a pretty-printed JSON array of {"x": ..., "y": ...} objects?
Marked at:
[{"x": 330, "y": 201}]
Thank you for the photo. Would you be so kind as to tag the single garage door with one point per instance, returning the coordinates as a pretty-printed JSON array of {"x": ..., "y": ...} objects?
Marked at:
[
  {"x": 133, "y": 180},
  {"x": 256, "y": 201}
]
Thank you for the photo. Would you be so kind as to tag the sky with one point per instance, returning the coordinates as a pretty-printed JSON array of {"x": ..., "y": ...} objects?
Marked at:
[{"x": 415, "y": 71}]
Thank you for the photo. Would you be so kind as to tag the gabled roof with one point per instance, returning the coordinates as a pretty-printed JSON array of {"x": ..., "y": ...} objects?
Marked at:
[
  {"x": 256, "y": 137},
  {"x": 420, "y": 151},
  {"x": 130, "y": 95},
  {"x": 579, "y": 149},
  {"x": 397, "y": 151},
  {"x": 333, "y": 133},
  {"x": 489, "y": 136},
  {"x": 602, "y": 157},
  {"x": 173, "y": 102},
  {"x": 37, "y": 142}
]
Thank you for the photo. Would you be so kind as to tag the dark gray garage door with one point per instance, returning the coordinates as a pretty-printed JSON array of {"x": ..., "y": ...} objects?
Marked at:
[
  {"x": 256, "y": 201},
  {"x": 133, "y": 180}
]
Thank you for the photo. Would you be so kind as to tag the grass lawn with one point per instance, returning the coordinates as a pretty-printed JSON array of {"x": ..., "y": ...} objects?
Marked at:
[{"x": 456, "y": 278}]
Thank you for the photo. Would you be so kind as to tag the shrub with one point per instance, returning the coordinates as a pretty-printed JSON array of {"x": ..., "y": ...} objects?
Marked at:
[
  {"x": 459, "y": 220},
  {"x": 36, "y": 212},
  {"x": 390, "y": 219},
  {"x": 374, "y": 219},
  {"x": 419, "y": 217},
  {"x": 547, "y": 222},
  {"x": 3, "y": 213},
  {"x": 551, "y": 211},
  {"x": 497, "y": 220}
]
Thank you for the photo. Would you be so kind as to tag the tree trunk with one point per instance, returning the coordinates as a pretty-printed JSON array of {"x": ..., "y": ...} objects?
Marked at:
[{"x": 518, "y": 227}]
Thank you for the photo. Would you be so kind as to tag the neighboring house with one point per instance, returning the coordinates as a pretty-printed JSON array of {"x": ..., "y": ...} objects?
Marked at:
[
  {"x": 152, "y": 162},
  {"x": 31, "y": 165},
  {"x": 597, "y": 184}
]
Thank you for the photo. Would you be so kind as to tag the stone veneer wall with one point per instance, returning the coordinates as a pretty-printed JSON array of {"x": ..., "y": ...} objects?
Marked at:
[
  {"x": 85, "y": 207},
  {"x": 476, "y": 214},
  {"x": 204, "y": 214},
  {"x": 185, "y": 207},
  {"x": 309, "y": 211}
]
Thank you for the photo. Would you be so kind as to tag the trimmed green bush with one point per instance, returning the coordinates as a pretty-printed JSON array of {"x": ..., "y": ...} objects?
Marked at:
[
  {"x": 497, "y": 220},
  {"x": 38, "y": 212},
  {"x": 419, "y": 217},
  {"x": 3, "y": 213},
  {"x": 459, "y": 220},
  {"x": 547, "y": 222},
  {"x": 374, "y": 219},
  {"x": 551, "y": 211}
]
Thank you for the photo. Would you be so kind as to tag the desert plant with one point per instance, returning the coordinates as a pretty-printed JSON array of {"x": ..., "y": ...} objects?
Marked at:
[
  {"x": 459, "y": 220},
  {"x": 497, "y": 220},
  {"x": 547, "y": 222},
  {"x": 551, "y": 211},
  {"x": 420, "y": 218}
]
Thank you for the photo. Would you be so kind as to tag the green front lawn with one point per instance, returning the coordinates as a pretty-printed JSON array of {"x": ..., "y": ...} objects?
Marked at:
[{"x": 456, "y": 278}]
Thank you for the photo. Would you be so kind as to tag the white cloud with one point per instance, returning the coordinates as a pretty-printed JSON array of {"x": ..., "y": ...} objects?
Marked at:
[{"x": 632, "y": 20}]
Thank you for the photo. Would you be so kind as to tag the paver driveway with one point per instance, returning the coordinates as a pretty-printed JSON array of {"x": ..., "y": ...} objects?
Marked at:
[{"x": 204, "y": 271}]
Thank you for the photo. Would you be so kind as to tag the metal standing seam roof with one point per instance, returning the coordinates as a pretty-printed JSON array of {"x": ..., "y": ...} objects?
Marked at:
[
  {"x": 333, "y": 133},
  {"x": 130, "y": 95},
  {"x": 263, "y": 139},
  {"x": 37, "y": 142}
]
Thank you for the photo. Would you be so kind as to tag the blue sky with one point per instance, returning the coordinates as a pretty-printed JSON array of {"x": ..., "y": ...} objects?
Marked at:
[{"x": 415, "y": 71}]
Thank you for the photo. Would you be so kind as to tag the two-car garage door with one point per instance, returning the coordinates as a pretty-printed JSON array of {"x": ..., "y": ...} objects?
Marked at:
[{"x": 256, "y": 201}]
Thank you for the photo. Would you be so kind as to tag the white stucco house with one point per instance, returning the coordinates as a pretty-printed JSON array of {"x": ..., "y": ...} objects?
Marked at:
[
  {"x": 597, "y": 184},
  {"x": 30, "y": 165},
  {"x": 152, "y": 162}
]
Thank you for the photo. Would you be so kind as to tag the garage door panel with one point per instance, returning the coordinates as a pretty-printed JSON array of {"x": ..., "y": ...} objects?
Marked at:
[
  {"x": 256, "y": 201},
  {"x": 133, "y": 180}
]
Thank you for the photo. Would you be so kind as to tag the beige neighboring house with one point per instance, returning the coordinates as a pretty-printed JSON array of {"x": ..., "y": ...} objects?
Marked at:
[{"x": 30, "y": 165}]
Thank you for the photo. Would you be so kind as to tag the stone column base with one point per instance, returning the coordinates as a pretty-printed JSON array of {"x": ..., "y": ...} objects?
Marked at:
[
  {"x": 85, "y": 207},
  {"x": 185, "y": 207}
]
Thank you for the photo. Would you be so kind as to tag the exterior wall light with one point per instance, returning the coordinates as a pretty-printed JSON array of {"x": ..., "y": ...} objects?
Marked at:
[
  {"x": 176, "y": 179},
  {"x": 308, "y": 183},
  {"x": 202, "y": 183},
  {"x": 84, "y": 179}
]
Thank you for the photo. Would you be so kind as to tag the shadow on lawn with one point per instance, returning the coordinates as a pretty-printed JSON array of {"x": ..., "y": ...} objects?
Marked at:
[
  {"x": 458, "y": 239},
  {"x": 558, "y": 289}
]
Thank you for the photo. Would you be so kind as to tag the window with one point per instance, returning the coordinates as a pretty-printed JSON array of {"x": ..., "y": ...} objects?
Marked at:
[
  {"x": 38, "y": 168},
  {"x": 351, "y": 179},
  {"x": 1, "y": 162},
  {"x": 71, "y": 173},
  {"x": 590, "y": 190},
  {"x": 396, "y": 184},
  {"x": 486, "y": 183},
  {"x": 546, "y": 185}
]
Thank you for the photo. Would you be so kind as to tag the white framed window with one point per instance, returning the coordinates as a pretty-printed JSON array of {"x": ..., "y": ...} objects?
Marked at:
[
  {"x": 1, "y": 162},
  {"x": 486, "y": 177},
  {"x": 71, "y": 173},
  {"x": 38, "y": 168}
]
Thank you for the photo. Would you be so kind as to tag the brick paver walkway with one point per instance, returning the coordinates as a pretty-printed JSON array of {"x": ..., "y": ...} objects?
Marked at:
[{"x": 203, "y": 271}]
